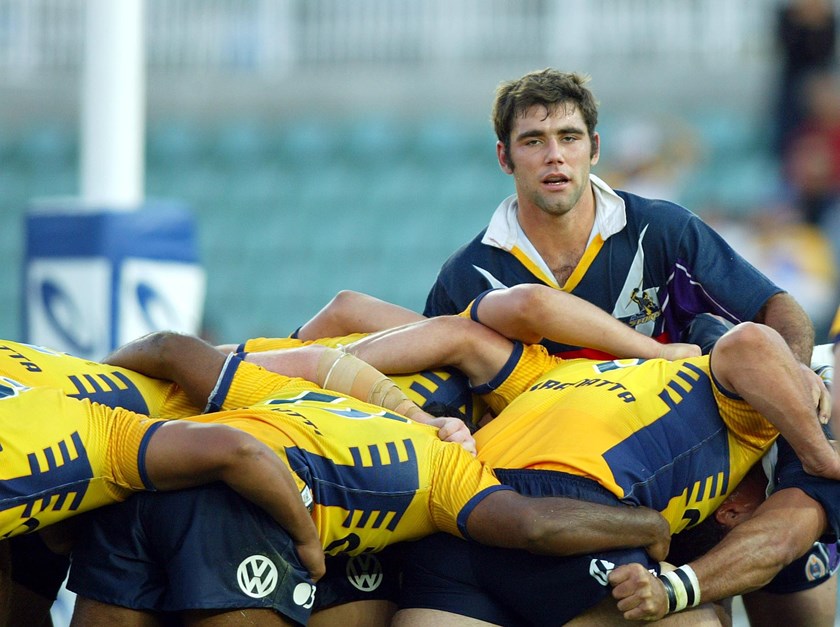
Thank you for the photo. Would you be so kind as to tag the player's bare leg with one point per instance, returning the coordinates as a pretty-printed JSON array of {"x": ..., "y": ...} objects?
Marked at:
[
  {"x": 374, "y": 613},
  {"x": 90, "y": 613},
  {"x": 245, "y": 617},
  {"x": 816, "y": 607},
  {"x": 420, "y": 617}
]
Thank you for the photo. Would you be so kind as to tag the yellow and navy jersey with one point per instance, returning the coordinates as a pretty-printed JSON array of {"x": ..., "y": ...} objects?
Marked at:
[
  {"x": 834, "y": 334},
  {"x": 61, "y": 456},
  {"x": 441, "y": 392},
  {"x": 36, "y": 366},
  {"x": 657, "y": 433},
  {"x": 372, "y": 477}
]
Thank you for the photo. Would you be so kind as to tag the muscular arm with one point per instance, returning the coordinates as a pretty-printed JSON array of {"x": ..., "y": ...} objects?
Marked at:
[
  {"x": 562, "y": 526},
  {"x": 181, "y": 454},
  {"x": 783, "y": 313},
  {"x": 753, "y": 361},
  {"x": 781, "y": 529},
  {"x": 476, "y": 350},
  {"x": 187, "y": 360},
  {"x": 532, "y": 312},
  {"x": 353, "y": 312}
]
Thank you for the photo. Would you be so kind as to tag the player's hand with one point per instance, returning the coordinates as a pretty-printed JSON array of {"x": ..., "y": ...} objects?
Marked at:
[
  {"x": 311, "y": 555},
  {"x": 678, "y": 350},
  {"x": 454, "y": 430},
  {"x": 820, "y": 393},
  {"x": 640, "y": 594}
]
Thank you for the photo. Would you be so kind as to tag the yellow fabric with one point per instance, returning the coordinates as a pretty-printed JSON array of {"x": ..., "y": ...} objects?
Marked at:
[
  {"x": 61, "y": 456},
  {"x": 35, "y": 366},
  {"x": 617, "y": 425},
  {"x": 375, "y": 475}
]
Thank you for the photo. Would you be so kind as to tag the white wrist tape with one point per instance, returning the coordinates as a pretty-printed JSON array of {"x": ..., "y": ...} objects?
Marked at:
[{"x": 682, "y": 588}]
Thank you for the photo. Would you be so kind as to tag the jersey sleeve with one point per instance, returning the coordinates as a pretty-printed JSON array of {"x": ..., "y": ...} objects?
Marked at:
[
  {"x": 712, "y": 277},
  {"x": 527, "y": 363},
  {"x": 460, "y": 483},
  {"x": 242, "y": 384}
]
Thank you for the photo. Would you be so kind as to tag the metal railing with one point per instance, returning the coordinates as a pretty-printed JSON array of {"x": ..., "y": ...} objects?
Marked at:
[{"x": 276, "y": 37}]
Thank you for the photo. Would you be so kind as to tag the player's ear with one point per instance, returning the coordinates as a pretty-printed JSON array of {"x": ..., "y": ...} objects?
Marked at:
[
  {"x": 595, "y": 151},
  {"x": 729, "y": 514},
  {"x": 504, "y": 160},
  {"x": 737, "y": 508}
]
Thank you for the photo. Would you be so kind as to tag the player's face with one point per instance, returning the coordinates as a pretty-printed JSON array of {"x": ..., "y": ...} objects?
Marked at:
[{"x": 550, "y": 158}]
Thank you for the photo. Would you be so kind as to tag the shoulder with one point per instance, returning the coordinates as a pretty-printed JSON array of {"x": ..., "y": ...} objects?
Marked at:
[{"x": 640, "y": 207}]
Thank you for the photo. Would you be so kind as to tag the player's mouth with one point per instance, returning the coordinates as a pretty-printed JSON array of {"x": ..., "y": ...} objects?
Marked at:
[{"x": 556, "y": 181}]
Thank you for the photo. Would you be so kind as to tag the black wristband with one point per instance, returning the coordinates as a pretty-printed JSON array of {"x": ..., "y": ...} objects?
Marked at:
[{"x": 669, "y": 590}]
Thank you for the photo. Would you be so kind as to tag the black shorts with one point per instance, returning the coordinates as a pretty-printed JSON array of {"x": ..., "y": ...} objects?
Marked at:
[
  {"x": 818, "y": 565},
  {"x": 35, "y": 566},
  {"x": 205, "y": 548},
  {"x": 509, "y": 587}
]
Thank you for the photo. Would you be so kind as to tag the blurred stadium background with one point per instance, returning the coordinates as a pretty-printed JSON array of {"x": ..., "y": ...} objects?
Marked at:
[{"x": 327, "y": 145}]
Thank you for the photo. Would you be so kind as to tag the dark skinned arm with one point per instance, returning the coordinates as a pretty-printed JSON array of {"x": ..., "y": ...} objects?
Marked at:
[{"x": 562, "y": 526}]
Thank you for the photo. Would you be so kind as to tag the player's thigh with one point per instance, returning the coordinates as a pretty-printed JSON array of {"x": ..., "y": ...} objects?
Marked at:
[
  {"x": 90, "y": 613},
  {"x": 371, "y": 613},
  {"x": 26, "y": 607},
  {"x": 815, "y": 607},
  {"x": 606, "y": 614},
  {"x": 417, "y": 617},
  {"x": 245, "y": 617}
]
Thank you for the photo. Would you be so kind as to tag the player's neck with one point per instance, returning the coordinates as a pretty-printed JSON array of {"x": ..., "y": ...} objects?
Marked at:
[{"x": 558, "y": 235}]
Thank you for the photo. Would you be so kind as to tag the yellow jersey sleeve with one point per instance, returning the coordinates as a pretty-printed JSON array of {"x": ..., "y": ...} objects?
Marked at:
[
  {"x": 834, "y": 334},
  {"x": 61, "y": 456},
  {"x": 527, "y": 364},
  {"x": 459, "y": 483},
  {"x": 243, "y": 384}
]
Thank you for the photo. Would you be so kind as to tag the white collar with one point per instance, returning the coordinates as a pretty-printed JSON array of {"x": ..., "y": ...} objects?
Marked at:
[{"x": 505, "y": 232}]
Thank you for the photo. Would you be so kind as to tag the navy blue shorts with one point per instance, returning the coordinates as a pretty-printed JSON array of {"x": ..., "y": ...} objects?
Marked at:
[
  {"x": 366, "y": 577},
  {"x": 35, "y": 566},
  {"x": 510, "y": 587},
  {"x": 815, "y": 567},
  {"x": 206, "y": 548}
]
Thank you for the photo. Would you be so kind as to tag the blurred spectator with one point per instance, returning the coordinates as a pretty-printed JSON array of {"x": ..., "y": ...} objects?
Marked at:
[
  {"x": 806, "y": 38},
  {"x": 651, "y": 158},
  {"x": 812, "y": 161}
]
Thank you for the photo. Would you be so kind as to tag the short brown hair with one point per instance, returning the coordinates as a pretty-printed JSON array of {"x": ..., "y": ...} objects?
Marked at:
[{"x": 549, "y": 88}]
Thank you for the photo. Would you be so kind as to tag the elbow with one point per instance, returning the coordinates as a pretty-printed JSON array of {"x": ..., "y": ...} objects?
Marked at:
[
  {"x": 543, "y": 534},
  {"x": 528, "y": 306},
  {"x": 240, "y": 451}
]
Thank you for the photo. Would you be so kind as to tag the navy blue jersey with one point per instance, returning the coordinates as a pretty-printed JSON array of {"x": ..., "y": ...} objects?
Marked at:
[{"x": 656, "y": 273}]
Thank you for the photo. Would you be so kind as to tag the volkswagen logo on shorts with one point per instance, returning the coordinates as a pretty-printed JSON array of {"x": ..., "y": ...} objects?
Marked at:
[
  {"x": 364, "y": 572},
  {"x": 257, "y": 576}
]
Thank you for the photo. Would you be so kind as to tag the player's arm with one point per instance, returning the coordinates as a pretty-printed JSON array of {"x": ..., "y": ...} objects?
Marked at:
[
  {"x": 183, "y": 454},
  {"x": 196, "y": 366},
  {"x": 753, "y": 361},
  {"x": 354, "y": 312},
  {"x": 564, "y": 526},
  {"x": 185, "y": 359},
  {"x": 782, "y": 313},
  {"x": 782, "y": 528},
  {"x": 533, "y": 312}
]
